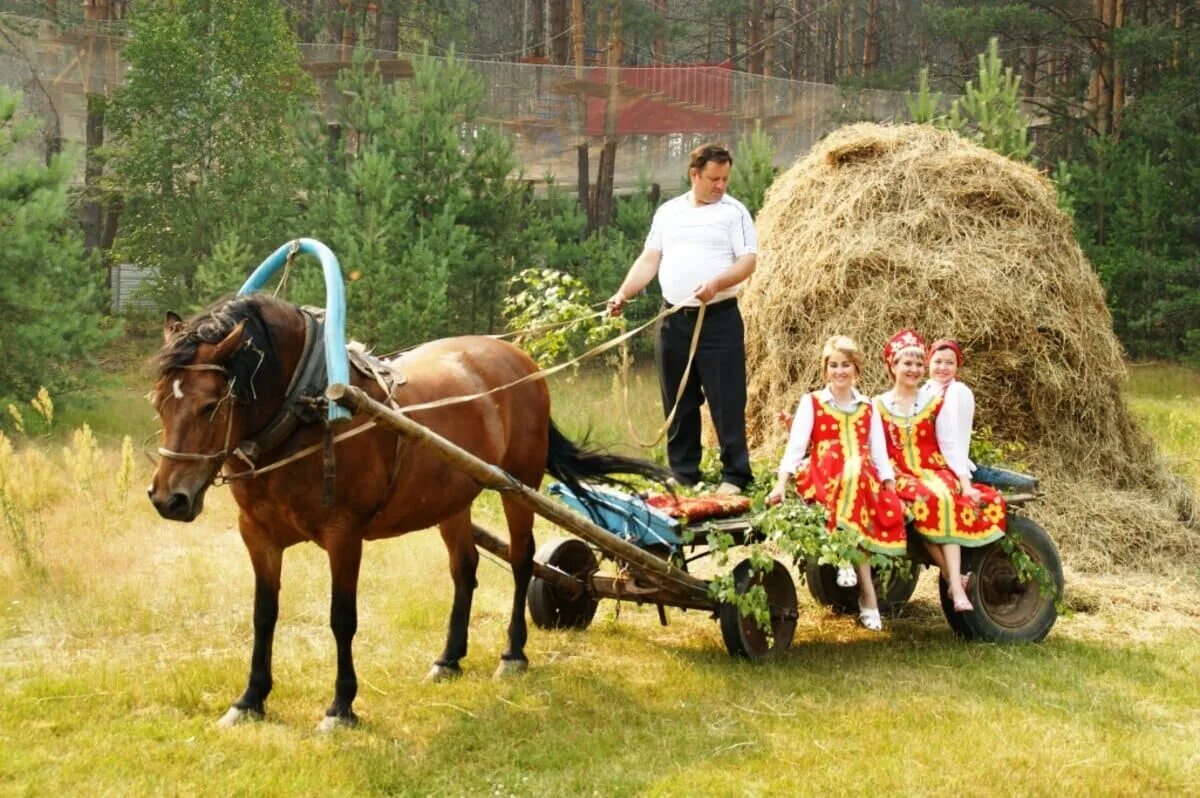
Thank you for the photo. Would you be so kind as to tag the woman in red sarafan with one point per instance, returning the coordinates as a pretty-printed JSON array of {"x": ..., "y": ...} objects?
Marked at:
[
  {"x": 847, "y": 469},
  {"x": 946, "y": 511}
]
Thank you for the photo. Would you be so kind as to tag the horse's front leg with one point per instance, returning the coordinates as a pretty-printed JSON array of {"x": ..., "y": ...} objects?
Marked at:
[
  {"x": 464, "y": 561},
  {"x": 345, "y": 556},
  {"x": 267, "y": 560}
]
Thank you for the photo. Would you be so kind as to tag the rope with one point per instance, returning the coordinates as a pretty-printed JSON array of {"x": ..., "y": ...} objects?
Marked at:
[
  {"x": 687, "y": 371},
  {"x": 537, "y": 375},
  {"x": 287, "y": 267},
  {"x": 554, "y": 325},
  {"x": 543, "y": 373}
]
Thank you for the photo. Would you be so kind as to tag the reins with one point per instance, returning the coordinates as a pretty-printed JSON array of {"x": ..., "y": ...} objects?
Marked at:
[
  {"x": 541, "y": 374},
  {"x": 687, "y": 372},
  {"x": 254, "y": 471}
]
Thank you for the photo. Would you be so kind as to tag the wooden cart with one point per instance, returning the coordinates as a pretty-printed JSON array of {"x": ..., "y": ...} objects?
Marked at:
[{"x": 648, "y": 549}]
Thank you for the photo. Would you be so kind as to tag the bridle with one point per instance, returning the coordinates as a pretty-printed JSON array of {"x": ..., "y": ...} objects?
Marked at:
[
  {"x": 196, "y": 456},
  {"x": 297, "y": 408}
]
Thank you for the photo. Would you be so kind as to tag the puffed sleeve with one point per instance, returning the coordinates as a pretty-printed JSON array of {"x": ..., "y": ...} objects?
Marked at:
[
  {"x": 954, "y": 424},
  {"x": 879, "y": 455},
  {"x": 798, "y": 439}
]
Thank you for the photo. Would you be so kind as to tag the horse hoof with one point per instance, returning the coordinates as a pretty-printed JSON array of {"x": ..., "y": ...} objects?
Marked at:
[
  {"x": 443, "y": 673},
  {"x": 237, "y": 716},
  {"x": 510, "y": 667},
  {"x": 331, "y": 723}
]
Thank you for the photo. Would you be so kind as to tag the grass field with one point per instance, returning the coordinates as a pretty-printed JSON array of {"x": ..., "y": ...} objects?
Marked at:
[
  {"x": 1166, "y": 399},
  {"x": 118, "y": 655}
]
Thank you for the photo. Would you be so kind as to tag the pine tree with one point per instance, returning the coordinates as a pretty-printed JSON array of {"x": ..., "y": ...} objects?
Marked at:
[
  {"x": 50, "y": 293},
  {"x": 991, "y": 112}
]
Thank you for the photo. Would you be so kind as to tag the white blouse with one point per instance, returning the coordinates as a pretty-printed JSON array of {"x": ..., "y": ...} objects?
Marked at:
[
  {"x": 954, "y": 425},
  {"x": 801, "y": 435},
  {"x": 925, "y": 395}
]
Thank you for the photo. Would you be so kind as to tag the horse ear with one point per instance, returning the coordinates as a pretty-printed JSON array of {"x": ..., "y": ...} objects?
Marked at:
[
  {"x": 227, "y": 347},
  {"x": 172, "y": 324}
]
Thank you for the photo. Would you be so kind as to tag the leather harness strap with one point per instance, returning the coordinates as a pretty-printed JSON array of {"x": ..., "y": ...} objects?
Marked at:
[{"x": 307, "y": 384}]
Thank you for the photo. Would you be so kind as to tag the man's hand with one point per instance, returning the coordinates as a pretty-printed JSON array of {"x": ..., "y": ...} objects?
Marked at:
[
  {"x": 707, "y": 290},
  {"x": 615, "y": 304}
]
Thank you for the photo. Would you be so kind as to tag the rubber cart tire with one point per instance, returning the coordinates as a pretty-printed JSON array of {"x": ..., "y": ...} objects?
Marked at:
[
  {"x": 553, "y": 608},
  {"x": 1007, "y": 610}
]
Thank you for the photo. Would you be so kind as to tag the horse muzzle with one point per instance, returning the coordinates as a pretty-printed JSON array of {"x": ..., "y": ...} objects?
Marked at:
[{"x": 176, "y": 504}]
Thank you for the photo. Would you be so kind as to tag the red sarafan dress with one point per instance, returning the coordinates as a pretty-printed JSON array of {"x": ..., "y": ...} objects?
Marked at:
[
  {"x": 940, "y": 512},
  {"x": 841, "y": 476}
]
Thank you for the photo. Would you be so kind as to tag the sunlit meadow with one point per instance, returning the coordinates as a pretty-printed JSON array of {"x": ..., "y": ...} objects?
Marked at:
[{"x": 126, "y": 636}]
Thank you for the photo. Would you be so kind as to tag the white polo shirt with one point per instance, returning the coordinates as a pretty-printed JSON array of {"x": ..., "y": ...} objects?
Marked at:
[{"x": 698, "y": 243}]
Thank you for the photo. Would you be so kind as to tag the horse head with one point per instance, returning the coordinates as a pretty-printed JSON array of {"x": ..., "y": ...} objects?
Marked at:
[{"x": 208, "y": 370}]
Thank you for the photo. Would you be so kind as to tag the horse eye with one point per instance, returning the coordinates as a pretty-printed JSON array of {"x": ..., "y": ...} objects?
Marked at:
[{"x": 209, "y": 408}]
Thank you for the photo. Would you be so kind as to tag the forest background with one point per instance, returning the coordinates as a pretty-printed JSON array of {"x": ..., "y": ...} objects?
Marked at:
[{"x": 213, "y": 154}]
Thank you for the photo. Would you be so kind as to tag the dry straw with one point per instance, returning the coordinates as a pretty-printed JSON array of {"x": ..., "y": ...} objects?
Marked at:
[{"x": 880, "y": 228}]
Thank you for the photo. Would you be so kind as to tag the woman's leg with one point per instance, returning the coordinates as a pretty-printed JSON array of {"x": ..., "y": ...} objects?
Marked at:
[
  {"x": 866, "y": 588},
  {"x": 868, "y": 603},
  {"x": 936, "y": 554},
  {"x": 953, "y": 573}
]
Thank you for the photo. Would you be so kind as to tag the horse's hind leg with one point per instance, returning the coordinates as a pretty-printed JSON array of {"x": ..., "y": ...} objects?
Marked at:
[
  {"x": 520, "y": 551},
  {"x": 268, "y": 564},
  {"x": 345, "y": 556},
  {"x": 464, "y": 560}
]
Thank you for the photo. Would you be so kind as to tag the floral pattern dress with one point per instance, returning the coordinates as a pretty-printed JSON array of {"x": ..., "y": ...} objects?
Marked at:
[
  {"x": 841, "y": 477},
  {"x": 940, "y": 512}
]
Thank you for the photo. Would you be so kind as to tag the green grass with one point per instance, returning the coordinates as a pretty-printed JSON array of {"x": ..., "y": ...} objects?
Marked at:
[
  {"x": 611, "y": 406},
  {"x": 1166, "y": 400},
  {"x": 115, "y": 664},
  {"x": 115, "y": 668}
]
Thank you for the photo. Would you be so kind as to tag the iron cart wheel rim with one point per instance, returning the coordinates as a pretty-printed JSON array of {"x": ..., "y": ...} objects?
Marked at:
[
  {"x": 552, "y": 608},
  {"x": 1007, "y": 610},
  {"x": 742, "y": 635}
]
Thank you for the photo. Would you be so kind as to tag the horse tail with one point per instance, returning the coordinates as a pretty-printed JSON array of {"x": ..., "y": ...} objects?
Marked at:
[{"x": 572, "y": 463}]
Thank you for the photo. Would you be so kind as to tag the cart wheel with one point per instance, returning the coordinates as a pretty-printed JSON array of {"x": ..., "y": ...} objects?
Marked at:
[
  {"x": 1007, "y": 611},
  {"x": 550, "y": 607},
  {"x": 822, "y": 584},
  {"x": 742, "y": 635}
]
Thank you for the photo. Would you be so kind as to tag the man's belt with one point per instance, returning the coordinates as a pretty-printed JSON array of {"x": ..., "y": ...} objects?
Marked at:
[{"x": 692, "y": 311}]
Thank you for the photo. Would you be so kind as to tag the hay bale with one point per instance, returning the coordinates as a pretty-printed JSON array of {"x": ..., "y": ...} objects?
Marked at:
[{"x": 879, "y": 228}]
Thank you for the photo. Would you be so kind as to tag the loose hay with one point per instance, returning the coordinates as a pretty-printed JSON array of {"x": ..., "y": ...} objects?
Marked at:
[{"x": 879, "y": 228}]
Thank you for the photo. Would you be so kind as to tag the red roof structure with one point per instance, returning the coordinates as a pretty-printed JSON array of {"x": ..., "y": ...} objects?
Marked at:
[{"x": 660, "y": 100}]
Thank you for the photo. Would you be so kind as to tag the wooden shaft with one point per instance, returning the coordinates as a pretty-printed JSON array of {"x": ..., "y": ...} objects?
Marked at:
[
  {"x": 602, "y": 585},
  {"x": 684, "y": 587},
  {"x": 616, "y": 587},
  {"x": 562, "y": 580}
]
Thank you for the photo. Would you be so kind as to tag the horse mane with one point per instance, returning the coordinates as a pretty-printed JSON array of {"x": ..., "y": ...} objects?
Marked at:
[{"x": 256, "y": 359}]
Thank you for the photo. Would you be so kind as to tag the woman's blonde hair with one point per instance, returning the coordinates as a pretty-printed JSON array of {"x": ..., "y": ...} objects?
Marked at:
[{"x": 841, "y": 344}]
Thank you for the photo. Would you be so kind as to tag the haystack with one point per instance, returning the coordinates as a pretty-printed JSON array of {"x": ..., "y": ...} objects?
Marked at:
[{"x": 880, "y": 228}]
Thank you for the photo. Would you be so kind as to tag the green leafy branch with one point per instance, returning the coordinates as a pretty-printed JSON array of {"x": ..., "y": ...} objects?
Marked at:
[
  {"x": 552, "y": 310},
  {"x": 988, "y": 449},
  {"x": 1029, "y": 570}
]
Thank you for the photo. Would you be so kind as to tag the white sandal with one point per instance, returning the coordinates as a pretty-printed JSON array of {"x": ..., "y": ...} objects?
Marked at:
[
  {"x": 870, "y": 619},
  {"x": 846, "y": 577}
]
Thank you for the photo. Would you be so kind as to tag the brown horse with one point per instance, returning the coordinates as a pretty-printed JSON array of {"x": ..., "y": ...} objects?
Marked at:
[{"x": 231, "y": 393}]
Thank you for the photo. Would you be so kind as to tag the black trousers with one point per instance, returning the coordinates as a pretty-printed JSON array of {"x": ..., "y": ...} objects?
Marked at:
[{"x": 718, "y": 376}]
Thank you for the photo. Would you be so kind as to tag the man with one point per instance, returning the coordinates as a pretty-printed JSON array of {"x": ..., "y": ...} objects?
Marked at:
[{"x": 701, "y": 247}]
